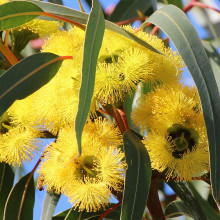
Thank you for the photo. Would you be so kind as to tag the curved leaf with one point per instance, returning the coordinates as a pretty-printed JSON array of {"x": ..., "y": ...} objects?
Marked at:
[
  {"x": 93, "y": 41},
  {"x": 14, "y": 14},
  {"x": 175, "y": 209},
  {"x": 49, "y": 205},
  {"x": 20, "y": 203},
  {"x": 182, "y": 33},
  {"x": 137, "y": 178},
  {"x": 191, "y": 204},
  {"x": 6, "y": 183},
  {"x": 26, "y": 77}
]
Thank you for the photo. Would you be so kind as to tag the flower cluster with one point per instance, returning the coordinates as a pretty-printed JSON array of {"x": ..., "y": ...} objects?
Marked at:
[{"x": 171, "y": 114}]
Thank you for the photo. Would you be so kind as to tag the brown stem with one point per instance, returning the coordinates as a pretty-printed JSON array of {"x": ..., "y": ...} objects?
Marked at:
[
  {"x": 109, "y": 210},
  {"x": 153, "y": 202}
]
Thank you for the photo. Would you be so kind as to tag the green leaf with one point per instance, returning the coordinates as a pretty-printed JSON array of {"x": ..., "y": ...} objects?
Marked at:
[
  {"x": 20, "y": 203},
  {"x": 26, "y": 77},
  {"x": 49, "y": 205},
  {"x": 191, "y": 204},
  {"x": 177, "y": 3},
  {"x": 127, "y": 9},
  {"x": 14, "y": 14},
  {"x": 137, "y": 178},
  {"x": 72, "y": 214},
  {"x": 176, "y": 25},
  {"x": 93, "y": 41},
  {"x": 128, "y": 108},
  {"x": 175, "y": 209},
  {"x": 209, "y": 211},
  {"x": 82, "y": 18},
  {"x": 214, "y": 59},
  {"x": 6, "y": 183}
]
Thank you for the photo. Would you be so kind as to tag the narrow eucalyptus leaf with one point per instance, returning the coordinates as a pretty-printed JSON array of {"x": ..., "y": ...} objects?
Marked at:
[
  {"x": 6, "y": 183},
  {"x": 16, "y": 13},
  {"x": 49, "y": 205},
  {"x": 20, "y": 202},
  {"x": 93, "y": 41},
  {"x": 137, "y": 178},
  {"x": 177, "y": 26}
]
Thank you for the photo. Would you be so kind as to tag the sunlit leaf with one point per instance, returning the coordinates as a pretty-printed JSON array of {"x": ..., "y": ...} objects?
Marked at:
[
  {"x": 93, "y": 41},
  {"x": 137, "y": 178}
]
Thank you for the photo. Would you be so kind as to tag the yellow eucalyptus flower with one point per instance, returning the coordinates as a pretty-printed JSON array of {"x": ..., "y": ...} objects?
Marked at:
[
  {"x": 169, "y": 100},
  {"x": 176, "y": 138},
  {"x": 169, "y": 67},
  {"x": 122, "y": 64},
  {"x": 87, "y": 179},
  {"x": 18, "y": 145},
  {"x": 114, "y": 80},
  {"x": 108, "y": 132}
]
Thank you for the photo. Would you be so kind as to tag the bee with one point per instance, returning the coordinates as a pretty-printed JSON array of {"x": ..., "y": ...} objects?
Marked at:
[{"x": 40, "y": 183}]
